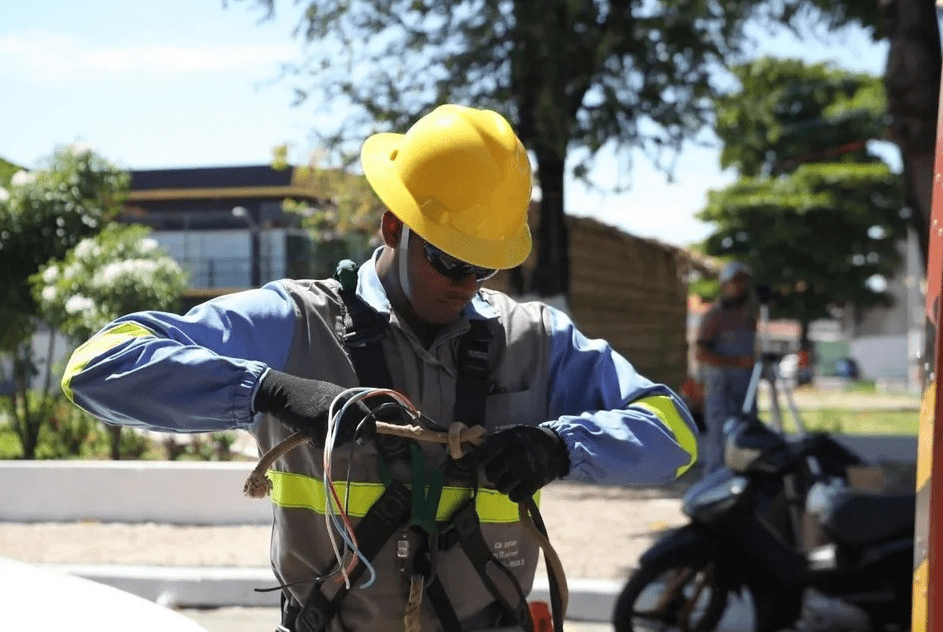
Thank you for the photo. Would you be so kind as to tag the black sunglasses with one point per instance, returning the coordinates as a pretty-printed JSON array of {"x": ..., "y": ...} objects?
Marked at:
[{"x": 455, "y": 269}]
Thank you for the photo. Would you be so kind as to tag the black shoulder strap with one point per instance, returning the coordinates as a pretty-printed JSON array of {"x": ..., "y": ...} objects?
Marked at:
[
  {"x": 364, "y": 329},
  {"x": 474, "y": 371},
  {"x": 496, "y": 577}
]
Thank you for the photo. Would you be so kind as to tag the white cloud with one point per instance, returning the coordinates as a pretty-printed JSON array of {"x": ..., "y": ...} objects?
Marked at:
[{"x": 48, "y": 56}]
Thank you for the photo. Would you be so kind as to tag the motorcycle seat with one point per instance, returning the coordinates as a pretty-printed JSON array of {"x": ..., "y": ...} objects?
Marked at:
[{"x": 856, "y": 518}]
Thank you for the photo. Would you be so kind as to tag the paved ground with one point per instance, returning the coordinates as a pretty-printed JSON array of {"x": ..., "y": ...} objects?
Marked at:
[{"x": 262, "y": 620}]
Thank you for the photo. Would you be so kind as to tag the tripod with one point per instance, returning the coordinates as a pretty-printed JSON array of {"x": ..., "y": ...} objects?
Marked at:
[{"x": 766, "y": 368}]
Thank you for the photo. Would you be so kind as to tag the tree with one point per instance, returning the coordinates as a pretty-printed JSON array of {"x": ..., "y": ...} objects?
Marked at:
[
  {"x": 343, "y": 223},
  {"x": 567, "y": 73},
  {"x": 7, "y": 170},
  {"x": 105, "y": 276},
  {"x": 815, "y": 212},
  {"x": 912, "y": 80},
  {"x": 44, "y": 214},
  {"x": 118, "y": 271}
]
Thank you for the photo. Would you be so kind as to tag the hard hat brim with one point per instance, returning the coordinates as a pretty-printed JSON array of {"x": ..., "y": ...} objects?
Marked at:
[{"x": 376, "y": 158}]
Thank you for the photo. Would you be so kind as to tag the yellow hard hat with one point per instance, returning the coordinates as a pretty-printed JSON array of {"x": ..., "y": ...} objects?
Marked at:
[{"x": 459, "y": 178}]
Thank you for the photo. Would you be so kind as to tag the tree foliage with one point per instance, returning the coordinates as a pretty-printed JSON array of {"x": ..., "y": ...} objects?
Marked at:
[
  {"x": 567, "y": 73},
  {"x": 348, "y": 205},
  {"x": 7, "y": 170},
  {"x": 815, "y": 212},
  {"x": 797, "y": 113},
  {"x": 118, "y": 271}
]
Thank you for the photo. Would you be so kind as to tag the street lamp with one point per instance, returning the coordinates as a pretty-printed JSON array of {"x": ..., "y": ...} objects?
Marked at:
[{"x": 255, "y": 229}]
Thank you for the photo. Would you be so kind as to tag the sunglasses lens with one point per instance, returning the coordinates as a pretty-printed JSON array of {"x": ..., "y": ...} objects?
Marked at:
[{"x": 449, "y": 266}]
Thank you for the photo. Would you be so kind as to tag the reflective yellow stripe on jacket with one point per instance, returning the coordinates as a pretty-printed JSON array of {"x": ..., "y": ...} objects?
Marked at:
[
  {"x": 305, "y": 492},
  {"x": 96, "y": 346},
  {"x": 663, "y": 407}
]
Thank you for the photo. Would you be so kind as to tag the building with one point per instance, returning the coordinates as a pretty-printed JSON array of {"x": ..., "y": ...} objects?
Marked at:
[
  {"x": 888, "y": 342},
  {"x": 228, "y": 227}
]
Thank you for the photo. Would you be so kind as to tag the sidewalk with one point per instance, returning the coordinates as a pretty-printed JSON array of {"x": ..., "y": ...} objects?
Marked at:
[{"x": 264, "y": 619}]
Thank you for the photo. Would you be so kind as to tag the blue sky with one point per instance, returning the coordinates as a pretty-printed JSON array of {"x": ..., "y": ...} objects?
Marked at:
[{"x": 191, "y": 83}]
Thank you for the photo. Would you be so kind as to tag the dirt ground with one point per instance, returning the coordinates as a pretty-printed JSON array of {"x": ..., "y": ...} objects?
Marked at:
[{"x": 598, "y": 532}]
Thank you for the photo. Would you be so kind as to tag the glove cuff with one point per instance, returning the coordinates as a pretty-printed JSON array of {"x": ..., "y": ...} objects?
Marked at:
[
  {"x": 561, "y": 458},
  {"x": 265, "y": 395}
]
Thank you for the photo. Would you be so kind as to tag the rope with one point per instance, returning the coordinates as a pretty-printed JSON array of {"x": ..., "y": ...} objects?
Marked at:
[
  {"x": 258, "y": 485},
  {"x": 411, "y": 618}
]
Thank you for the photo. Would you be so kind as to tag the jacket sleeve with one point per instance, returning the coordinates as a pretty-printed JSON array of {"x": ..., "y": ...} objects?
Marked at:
[
  {"x": 620, "y": 427},
  {"x": 191, "y": 373}
]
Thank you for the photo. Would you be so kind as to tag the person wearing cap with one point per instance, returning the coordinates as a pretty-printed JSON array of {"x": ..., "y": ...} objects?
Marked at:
[
  {"x": 270, "y": 360},
  {"x": 726, "y": 349}
]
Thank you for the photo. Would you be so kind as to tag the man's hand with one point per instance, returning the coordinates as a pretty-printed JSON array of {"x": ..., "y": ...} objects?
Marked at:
[
  {"x": 303, "y": 405},
  {"x": 522, "y": 459}
]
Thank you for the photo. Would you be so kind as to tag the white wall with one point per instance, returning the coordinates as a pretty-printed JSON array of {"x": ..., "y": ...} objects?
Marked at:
[
  {"x": 882, "y": 357},
  {"x": 129, "y": 491}
]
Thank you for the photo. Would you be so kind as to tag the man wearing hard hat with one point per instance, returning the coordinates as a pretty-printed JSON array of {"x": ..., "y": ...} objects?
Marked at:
[
  {"x": 372, "y": 531},
  {"x": 726, "y": 344}
]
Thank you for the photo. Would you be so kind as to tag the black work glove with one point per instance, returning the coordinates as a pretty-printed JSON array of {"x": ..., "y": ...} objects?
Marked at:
[
  {"x": 302, "y": 405},
  {"x": 522, "y": 459}
]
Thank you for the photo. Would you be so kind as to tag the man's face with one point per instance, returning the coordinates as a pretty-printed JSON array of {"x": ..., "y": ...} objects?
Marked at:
[
  {"x": 436, "y": 298},
  {"x": 737, "y": 286}
]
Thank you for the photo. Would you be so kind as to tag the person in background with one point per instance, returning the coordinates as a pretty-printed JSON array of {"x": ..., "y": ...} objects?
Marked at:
[
  {"x": 726, "y": 351},
  {"x": 414, "y": 318}
]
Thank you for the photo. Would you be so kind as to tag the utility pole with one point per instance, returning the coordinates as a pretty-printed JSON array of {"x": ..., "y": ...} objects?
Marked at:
[{"x": 928, "y": 537}]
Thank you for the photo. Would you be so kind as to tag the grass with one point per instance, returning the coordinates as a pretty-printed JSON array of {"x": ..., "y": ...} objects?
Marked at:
[
  {"x": 856, "y": 408},
  {"x": 9, "y": 443},
  {"x": 856, "y": 421}
]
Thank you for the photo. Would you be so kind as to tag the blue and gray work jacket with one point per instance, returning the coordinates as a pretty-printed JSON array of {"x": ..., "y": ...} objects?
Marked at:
[{"x": 199, "y": 373}]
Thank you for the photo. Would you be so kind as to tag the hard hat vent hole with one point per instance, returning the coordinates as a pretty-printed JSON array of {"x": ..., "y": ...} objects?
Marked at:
[{"x": 393, "y": 154}]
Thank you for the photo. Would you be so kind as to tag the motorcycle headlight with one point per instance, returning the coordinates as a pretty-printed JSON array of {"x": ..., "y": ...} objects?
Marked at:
[
  {"x": 713, "y": 497},
  {"x": 738, "y": 458}
]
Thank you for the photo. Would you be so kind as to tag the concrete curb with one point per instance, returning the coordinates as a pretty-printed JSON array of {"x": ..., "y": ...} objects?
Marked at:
[{"x": 200, "y": 587}]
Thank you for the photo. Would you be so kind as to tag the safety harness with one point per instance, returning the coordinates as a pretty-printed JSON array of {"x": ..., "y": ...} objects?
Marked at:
[{"x": 409, "y": 513}]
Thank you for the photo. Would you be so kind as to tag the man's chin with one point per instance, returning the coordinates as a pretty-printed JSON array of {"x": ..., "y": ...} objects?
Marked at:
[{"x": 445, "y": 312}]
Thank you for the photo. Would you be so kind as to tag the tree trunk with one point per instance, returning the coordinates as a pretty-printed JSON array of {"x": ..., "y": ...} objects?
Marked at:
[
  {"x": 912, "y": 82},
  {"x": 114, "y": 440},
  {"x": 551, "y": 277},
  {"x": 26, "y": 420}
]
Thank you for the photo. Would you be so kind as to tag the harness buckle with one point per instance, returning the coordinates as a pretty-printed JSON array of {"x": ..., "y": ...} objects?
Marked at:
[{"x": 402, "y": 553}]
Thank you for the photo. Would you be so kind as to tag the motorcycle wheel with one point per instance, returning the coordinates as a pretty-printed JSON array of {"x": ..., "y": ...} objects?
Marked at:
[{"x": 673, "y": 592}]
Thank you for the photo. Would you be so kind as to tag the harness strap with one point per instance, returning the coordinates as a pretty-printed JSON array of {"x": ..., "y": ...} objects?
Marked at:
[
  {"x": 364, "y": 329},
  {"x": 474, "y": 371},
  {"x": 373, "y": 531},
  {"x": 490, "y": 570},
  {"x": 440, "y": 601}
]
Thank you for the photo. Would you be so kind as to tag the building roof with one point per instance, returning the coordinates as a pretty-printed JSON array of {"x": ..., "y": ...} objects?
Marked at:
[{"x": 241, "y": 182}]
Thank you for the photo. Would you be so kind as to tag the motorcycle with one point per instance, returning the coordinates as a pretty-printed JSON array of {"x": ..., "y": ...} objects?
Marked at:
[{"x": 779, "y": 523}]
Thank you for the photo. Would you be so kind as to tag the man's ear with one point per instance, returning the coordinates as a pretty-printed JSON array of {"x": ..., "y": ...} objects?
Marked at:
[{"x": 390, "y": 229}]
